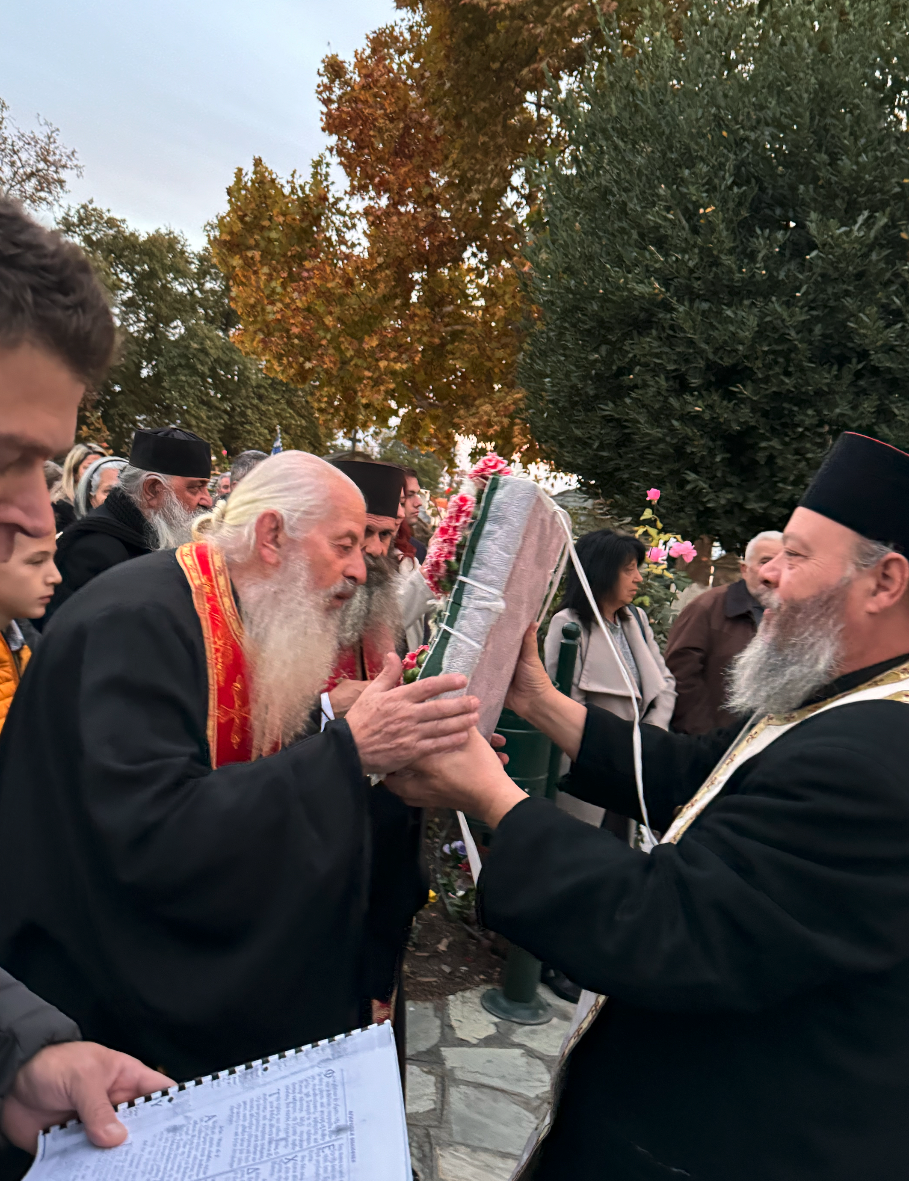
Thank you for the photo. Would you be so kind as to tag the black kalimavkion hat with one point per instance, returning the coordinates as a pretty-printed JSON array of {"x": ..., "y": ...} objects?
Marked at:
[
  {"x": 380, "y": 483},
  {"x": 864, "y": 485},
  {"x": 172, "y": 452}
]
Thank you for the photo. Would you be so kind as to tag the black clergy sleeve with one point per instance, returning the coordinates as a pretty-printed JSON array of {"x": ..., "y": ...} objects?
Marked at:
[
  {"x": 171, "y": 829},
  {"x": 792, "y": 879},
  {"x": 675, "y": 765}
]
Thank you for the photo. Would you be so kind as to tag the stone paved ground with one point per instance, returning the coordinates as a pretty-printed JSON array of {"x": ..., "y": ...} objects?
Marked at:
[{"x": 475, "y": 1086}]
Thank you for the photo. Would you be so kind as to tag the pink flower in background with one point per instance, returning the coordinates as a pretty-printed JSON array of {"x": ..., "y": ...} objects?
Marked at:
[
  {"x": 684, "y": 550},
  {"x": 653, "y": 494},
  {"x": 656, "y": 554}
]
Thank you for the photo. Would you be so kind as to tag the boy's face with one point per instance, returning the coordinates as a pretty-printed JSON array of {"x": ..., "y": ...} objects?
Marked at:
[
  {"x": 28, "y": 579},
  {"x": 413, "y": 500}
]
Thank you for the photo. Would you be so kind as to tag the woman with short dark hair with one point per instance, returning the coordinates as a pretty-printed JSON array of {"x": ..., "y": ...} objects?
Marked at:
[{"x": 611, "y": 560}]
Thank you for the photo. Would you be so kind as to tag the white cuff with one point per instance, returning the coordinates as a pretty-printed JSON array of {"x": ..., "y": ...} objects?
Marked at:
[{"x": 328, "y": 714}]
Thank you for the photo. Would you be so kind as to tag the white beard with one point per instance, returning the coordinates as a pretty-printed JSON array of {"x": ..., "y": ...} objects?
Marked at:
[
  {"x": 794, "y": 654},
  {"x": 290, "y": 643},
  {"x": 374, "y": 608},
  {"x": 172, "y": 523}
]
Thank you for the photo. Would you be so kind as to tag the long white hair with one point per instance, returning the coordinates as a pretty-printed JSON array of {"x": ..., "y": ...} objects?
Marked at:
[
  {"x": 289, "y": 633},
  {"x": 293, "y": 484}
]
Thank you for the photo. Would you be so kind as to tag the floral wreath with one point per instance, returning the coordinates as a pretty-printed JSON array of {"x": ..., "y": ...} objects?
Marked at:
[
  {"x": 443, "y": 557},
  {"x": 442, "y": 561}
]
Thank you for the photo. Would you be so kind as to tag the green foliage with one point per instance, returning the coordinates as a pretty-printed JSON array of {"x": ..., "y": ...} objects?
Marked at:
[
  {"x": 177, "y": 364},
  {"x": 657, "y": 596},
  {"x": 588, "y": 513},
  {"x": 720, "y": 259},
  {"x": 428, "y": 467},
  {"x": 663, "y": 581}
]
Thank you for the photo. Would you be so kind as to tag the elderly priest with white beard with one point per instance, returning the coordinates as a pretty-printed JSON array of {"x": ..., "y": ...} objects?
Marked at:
[
  {"x": 181, "y": 872},
  {"x": 756, "y": 963},
  {"x": 160, "y": 492}
]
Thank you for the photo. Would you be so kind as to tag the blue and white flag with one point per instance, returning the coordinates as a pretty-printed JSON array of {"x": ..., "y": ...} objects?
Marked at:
[{"x": 276, "y": 446}]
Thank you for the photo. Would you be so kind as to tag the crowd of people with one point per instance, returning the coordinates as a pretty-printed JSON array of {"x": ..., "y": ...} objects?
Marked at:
[{"x": 212, "y": 784}]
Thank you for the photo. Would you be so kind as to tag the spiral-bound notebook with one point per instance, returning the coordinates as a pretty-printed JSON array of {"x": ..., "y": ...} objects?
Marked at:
[{"x": 328, "y": 1112}]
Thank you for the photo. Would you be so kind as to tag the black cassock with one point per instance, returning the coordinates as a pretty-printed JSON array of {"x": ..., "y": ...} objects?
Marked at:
[
  {"x": 194, "y": 918},
  {"x": 758, "y": 970}
]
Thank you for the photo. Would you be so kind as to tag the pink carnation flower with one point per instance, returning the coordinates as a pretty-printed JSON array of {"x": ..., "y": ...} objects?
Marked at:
[
  {"x": 653, "y": 494},
  {"x": 411, "y": 660},
  {"x": 460, "y": 507},
  {"x": 444, "y": 544},
  {"x": 684, "y": 550},
  {"x": 656, "y": 554},
  {"x": 490, "y": 465}
]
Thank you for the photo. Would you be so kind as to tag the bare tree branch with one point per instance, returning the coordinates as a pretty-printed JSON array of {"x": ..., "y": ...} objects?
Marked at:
[{"x": 34, "y": 164}]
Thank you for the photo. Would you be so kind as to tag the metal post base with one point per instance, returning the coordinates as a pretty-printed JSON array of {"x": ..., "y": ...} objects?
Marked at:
[{"x": 534, "y": 1012}]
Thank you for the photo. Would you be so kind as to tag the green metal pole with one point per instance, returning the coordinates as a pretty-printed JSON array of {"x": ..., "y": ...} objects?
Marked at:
[
  {"x": 518, "y": 999},
  {"x": 533, "y": 763}
]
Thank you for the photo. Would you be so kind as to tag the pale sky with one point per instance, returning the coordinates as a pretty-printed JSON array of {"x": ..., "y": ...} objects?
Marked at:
[{"x": 163, "y": 99}]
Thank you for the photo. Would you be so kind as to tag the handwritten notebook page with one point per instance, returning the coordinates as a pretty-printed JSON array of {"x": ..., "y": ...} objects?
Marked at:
[{"x": 329, "y": 1112}]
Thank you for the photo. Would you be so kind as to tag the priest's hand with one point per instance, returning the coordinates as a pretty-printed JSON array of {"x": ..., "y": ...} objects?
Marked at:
[
  {"x": 530, "y": 684},
  {"x": 471, "y": 779},
  {"x": 394, "y": 725},
  {"x": 75, "y": 1079},
  {"x": 534, "y": 697}
]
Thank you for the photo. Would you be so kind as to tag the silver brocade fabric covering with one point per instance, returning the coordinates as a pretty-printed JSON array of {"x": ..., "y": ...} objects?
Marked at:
[{"x": 515, "y": 558}]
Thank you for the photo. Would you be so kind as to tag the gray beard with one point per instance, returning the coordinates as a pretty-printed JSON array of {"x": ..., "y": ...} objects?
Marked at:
[
  {"x": 172, "y": 523},
  {"x": 290, "y": 642},
  {"x": 794, "y": 654},
  {"x": 374, "y": 607}
]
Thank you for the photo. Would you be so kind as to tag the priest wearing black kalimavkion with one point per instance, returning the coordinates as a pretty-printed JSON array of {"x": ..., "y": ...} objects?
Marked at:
[
  {"x": 371, "y": 621},
  {"x": 158, "y": 495},
  {"x": 757, "y": 961},
  {"x": 180, "y": 872},
  {"x": 370, "y": 625}
]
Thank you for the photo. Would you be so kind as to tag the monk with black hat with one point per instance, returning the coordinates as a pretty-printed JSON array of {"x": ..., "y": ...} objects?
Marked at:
[
  {"x": 756, "y": 962},
  {"x": 370, "y": 624},
  {"x": 162, "y": 488}
]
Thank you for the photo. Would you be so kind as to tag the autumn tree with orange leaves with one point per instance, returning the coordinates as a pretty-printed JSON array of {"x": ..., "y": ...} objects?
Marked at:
[{"x": 402, "y": 298}]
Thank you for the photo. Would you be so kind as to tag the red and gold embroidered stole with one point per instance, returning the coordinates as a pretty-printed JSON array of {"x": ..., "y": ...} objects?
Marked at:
[{"x": 229, "y": 735}]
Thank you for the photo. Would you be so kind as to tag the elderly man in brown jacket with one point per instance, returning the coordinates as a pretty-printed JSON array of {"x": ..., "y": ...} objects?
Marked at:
[{"x": 712, "y": 630}]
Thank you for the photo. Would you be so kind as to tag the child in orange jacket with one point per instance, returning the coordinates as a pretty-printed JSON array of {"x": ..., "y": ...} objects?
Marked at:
[{"x": 27, "y": 583}]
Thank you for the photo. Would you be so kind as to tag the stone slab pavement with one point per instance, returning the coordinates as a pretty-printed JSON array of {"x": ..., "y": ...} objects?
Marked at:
[{"x": 475, "y": 1086}]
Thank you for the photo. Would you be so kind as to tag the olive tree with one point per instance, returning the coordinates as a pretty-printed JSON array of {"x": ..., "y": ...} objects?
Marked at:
[{"x": 720, "y": 264}]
